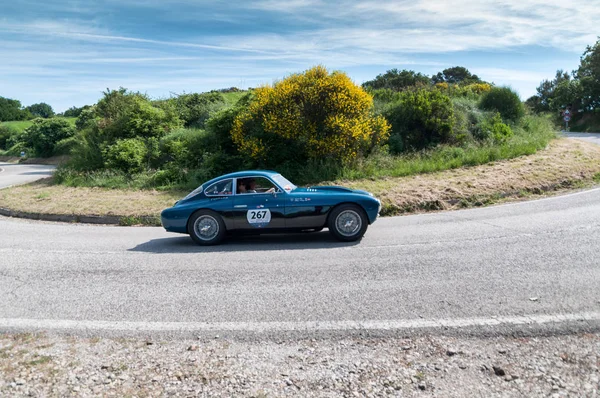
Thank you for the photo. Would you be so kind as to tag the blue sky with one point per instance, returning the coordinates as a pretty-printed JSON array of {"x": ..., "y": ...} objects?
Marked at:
[{"x": 66, "y": 52}]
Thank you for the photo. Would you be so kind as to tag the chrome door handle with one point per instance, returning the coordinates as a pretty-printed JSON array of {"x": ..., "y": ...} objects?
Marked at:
[{"x": 240, "y": 206}]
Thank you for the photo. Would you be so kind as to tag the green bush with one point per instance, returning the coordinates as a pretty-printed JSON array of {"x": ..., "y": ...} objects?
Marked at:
[
  {"x": 467, "y": 118},
  {"x": 505, "y": 101},
  {"x": 195, "y": 109},
  {"x": 6, "y": 133},
  {"x": 43, "y": 135},
  {"x": 128, "y": 155},
  {"x": 493, "y": 128},
  {"x": 397, "y": 80},
  {"x": 420, "y": 119},
  {"x": 131, "y": 115}
]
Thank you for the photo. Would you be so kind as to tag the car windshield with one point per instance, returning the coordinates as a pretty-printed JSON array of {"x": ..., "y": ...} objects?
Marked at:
[{"x": 283, "y": 183}]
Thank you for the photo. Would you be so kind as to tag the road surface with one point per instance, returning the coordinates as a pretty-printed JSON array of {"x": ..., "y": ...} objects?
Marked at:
[
  {"x": 534, "y": 264},
  {"x": 12, "y": 174},
  {"x": 594, "y": 138},
  {"x": 528, "y": 261}
]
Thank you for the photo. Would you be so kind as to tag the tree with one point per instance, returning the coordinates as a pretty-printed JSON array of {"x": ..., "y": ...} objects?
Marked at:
[
  {"x": 589, "y": 76},
  {"x": 41, "y": 110},
  {"x": 11, "y": 109},
  {"x": 75, "y": 111},
  {"x": 456, "y": 75},
  {"x": 397, "y": 80},
  {"x": 505, "y": 101},
  {"x": 308, "y": 116},
  {"x": 545, "y": 91}
]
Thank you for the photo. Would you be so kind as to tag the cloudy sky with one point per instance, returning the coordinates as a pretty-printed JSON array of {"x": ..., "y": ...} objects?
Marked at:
[{"x": 66, "y": 52}]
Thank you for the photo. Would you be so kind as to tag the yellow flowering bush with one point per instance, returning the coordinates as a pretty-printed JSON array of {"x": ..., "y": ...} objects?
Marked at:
[
  {"x": 310, "y": 115},
  {"x": 469, "y": 90}
]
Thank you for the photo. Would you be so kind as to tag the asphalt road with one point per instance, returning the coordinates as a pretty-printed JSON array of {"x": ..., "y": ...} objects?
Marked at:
[
  {"x": 594, "y": 138},
  {"x": 526, "y": 263},
  {"x": 12, "y": 174}
]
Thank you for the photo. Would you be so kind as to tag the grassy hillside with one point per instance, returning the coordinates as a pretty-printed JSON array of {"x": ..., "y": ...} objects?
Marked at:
[
  {"x": 23, "y": 124},
  {"x": 233, "y": 97}
]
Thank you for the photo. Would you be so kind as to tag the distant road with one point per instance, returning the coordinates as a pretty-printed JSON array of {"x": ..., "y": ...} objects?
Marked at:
[
  {"x": 14, "y": 174},
  {"x": 589, "y": 137}
]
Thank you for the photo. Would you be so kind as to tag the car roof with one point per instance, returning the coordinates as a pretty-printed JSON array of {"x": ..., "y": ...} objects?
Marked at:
[{"x": 242, "y": 174}]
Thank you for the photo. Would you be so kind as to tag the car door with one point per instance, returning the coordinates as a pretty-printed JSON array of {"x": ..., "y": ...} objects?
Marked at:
[{"x": 260, "y": 207}]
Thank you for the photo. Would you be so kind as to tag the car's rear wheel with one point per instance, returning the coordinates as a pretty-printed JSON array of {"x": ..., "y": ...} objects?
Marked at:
[
  {"x": 206, "y": 228},
  {"x": 348, "y": 222}
]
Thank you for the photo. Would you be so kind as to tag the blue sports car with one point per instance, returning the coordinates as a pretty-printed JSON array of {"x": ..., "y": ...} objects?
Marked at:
[{"x": 266, "y": 202}]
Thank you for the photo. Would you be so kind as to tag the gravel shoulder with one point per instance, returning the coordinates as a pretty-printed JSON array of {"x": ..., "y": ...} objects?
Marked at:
[{"x": 428, "y": 366}]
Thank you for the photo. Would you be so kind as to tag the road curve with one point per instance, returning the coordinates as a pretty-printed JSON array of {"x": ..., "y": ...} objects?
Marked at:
[
  {"x": 530, "y": 262},
  {"x": 594, "y": 138},
  {"x": 14, "y": 174}
]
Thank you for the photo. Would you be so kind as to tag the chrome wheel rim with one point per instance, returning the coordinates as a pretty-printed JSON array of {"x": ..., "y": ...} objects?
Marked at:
[
  {"x": 206, "y": 228},
  {"x": 348, "y": 223}
]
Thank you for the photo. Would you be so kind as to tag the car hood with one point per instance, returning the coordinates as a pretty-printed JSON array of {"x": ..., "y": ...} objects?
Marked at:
[{"x": 332, "y": 189}]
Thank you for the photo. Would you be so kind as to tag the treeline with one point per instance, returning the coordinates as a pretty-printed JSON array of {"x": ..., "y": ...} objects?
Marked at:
[
  {"x": 11, "y": 110},
  {"x": 578, "y": 91},
  {"x": 311, "y": 126}
]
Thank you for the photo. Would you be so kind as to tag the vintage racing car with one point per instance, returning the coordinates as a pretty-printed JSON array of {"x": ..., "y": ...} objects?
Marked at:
[{"x": 266, "y": 202}]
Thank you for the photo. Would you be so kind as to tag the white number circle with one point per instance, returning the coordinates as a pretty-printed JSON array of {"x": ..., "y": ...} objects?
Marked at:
[{"x": 259, "y": 217}]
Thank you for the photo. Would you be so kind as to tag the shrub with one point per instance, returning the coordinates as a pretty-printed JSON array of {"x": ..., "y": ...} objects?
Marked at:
[
  {"x": 6, "y": 133},
  {"x": 122, "y": 114},
  {"x": 397, "y": 80},
  {"x": 43, "y": 135},
  {"x": 195, "y": 109},
  {"x": 493, "y": 128},
  {"x": 311, "y": 115},
  {"x": 127, "y": 155},
  {"x": 86, "y": 118},
  {"x": 420, "y": 119},
  {"x": 467, "y": 118},
  {"x": 505, "y": 101},
  {"x": 75, "y": 111}
]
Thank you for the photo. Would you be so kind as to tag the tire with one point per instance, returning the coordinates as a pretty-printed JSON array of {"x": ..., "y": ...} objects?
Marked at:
[
  {"x": 348, "y": 223},
  {"x": 206, "y": 228}
]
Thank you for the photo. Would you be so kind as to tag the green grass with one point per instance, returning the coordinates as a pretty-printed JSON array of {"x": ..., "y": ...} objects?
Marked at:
[
  {"x": 533, "y": 134},
  {"x": 21, "y": 125},
  {"x": 232, "y": 98}
]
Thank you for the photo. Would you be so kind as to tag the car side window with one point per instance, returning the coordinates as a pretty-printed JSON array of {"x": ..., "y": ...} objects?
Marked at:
[
  {"x": 223, "y": 187},
  {"x": 255, "y": 185}
]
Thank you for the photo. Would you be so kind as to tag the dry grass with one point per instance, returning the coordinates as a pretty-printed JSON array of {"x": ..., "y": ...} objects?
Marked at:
[
  {"x": 43, "y": 197},
  {"x": 564, "y": 164}
]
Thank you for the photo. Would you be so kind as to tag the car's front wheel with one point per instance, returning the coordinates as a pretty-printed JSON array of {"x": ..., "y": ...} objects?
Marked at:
[
  {"x": 348, "y": 222},
  {"x": 206, "y": 228}
]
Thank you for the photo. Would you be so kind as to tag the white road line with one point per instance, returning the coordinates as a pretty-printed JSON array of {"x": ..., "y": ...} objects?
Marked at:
[{"x": 374, "y": 325}]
